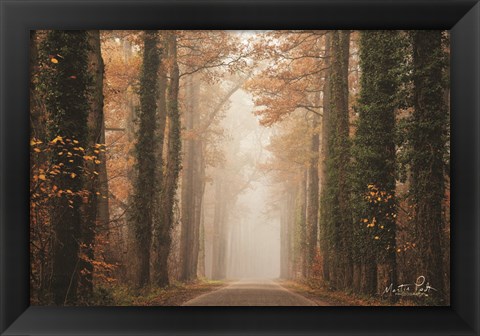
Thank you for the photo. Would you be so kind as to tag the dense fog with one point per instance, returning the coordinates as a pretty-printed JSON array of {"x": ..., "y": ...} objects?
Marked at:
[{"x": 253, "y": 238}]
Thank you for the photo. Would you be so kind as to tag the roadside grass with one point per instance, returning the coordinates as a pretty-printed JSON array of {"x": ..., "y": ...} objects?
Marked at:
[
  {"x": 322, "y": 294},
  {"x": 175, "y": 294}
]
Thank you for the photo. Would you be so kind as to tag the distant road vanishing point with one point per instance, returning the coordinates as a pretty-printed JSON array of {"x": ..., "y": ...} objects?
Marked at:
[{"x": 252, "y": 292}]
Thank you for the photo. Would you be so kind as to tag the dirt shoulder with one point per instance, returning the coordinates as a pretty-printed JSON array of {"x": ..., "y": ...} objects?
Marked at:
[
  {"x": 319, "y": 297},
  {"x": 174, "y": 295},
  {"x": 322, "y": 295},
  {"x": 178, "y": 295}
]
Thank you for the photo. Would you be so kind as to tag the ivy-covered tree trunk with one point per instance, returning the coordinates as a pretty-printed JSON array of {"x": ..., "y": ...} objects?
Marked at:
[
  {"x": 428, "y": 138},
  {"x": 96, "y": 206},
  {"x": 325, "y": 154},
  {"x": 158, "y": 263},
  {"x": 313, "y": 193},
  {"x": 41, "y": 234},
  {"x": 374, "y": 153},
  {"x": 65, "y": 78},
  {"x": 97, "y": 128},
  {"x": 172, "y": 168},
  {"x": 141, "y": 214},
  {"x": 337, "y": 191},
  {"x": 37, "y": 113}
]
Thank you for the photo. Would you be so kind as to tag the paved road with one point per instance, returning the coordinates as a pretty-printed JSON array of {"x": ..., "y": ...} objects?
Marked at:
[{"x": 251, "y": 293}]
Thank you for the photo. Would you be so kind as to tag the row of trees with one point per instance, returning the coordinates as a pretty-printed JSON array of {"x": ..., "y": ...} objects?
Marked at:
[
  {"x": 126, "y": 213},
  {"x": 67, "y": 133},
  {"x": 364, "y": 115},
  {"x": 134, "y": 176}
]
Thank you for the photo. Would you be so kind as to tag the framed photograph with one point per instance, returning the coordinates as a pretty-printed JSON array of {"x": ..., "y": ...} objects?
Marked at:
[{"x": 240, "y": 167}]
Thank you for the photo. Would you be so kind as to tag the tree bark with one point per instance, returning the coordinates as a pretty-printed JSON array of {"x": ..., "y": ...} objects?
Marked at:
[
  {"x": 191, "y": 186},
  {"x": 67, "y": 104},
  {"x": 428, "y": 141},
  {"x": 284, "y": 255},
  {"x": 303, "y": 224},
  {"x": 340, "y": 159},
  {"x": 141, "y": 214},
  {"x": 375, "y": 160},
  {"x": 313, "y": 193},
  {"x": 96, "y": 208},
  {"x": 170, "y": 179},
  {"x": 219, "y": 249},
  {"x": 325, "y": 230},
  {"x": 37, "y": 113},
  {"x": 159, "y": 266}
]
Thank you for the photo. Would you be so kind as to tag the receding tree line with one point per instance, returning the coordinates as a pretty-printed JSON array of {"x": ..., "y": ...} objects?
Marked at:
[
  {"x": 347, "y": 224},
  {"x": 71, "y": 187},
  {"x": 341, "y": 220}
]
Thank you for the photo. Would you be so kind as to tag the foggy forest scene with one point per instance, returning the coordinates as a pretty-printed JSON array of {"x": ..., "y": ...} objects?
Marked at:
[{"x": 240, "y": 168}]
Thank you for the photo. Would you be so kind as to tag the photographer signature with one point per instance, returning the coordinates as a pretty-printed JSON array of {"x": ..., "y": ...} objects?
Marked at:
[{"x": 419, "y": 288}]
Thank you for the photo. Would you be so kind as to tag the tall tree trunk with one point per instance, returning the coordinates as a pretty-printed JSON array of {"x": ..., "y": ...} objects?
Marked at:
[
  {"x": 191, "y": 186},
  {"x": 291, "y": 251},
  {"x": 158, "y": 262},
  {"x": 428, "y": 138},
  {"x": 325, "y": 229},
  {"x": 199, "y": 215},
  {"x": 219, "y": 249},
  {"x": 37, "y": 113},
  {"x": 284, "y": 239},
  {"x": 187, "y": 185},
  {"x": 199, "y": 189},
  {"x": 172, "y": 169},
  {"x": 97, "y": 126},
  {"x": 340, "y": 158},
  {"x": 313, "y": 189},
  {"x": 66, "y": 82},
  {"x": 201, "y": 256},
  {"x": 303, "y": 224},
  {"x": 141, "y": 215},
  {"x": 344, "y": 153},
  {"x": 375, "y": 157},
  {"x": 40, "y": 247},
  {"x": 95, "y": 204}
]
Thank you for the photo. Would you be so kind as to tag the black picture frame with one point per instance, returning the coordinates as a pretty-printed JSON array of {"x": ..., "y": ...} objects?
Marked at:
[{"x": 17, "y": 17}]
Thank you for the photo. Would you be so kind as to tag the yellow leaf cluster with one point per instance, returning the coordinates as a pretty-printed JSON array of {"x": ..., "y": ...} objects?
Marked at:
[{"x": 57, "y": 139}]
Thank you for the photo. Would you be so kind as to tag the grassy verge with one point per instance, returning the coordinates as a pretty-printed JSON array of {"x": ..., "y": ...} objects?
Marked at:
[
  {"x": 325, "y": 296},
  {"x": 174, "y": 295}
]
